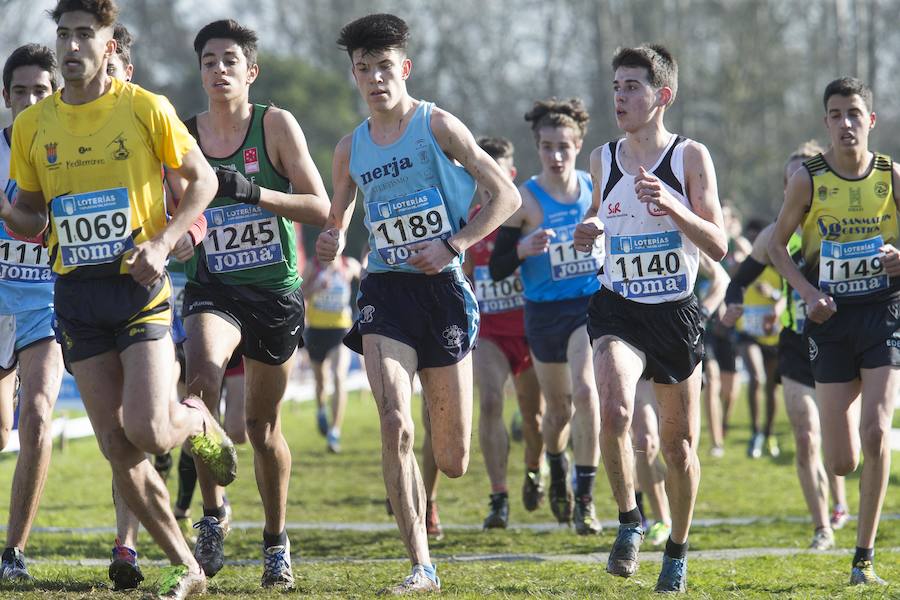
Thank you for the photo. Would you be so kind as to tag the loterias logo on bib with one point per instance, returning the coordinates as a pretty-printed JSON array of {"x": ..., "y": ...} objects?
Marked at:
[{"x": 391, "y": 169}]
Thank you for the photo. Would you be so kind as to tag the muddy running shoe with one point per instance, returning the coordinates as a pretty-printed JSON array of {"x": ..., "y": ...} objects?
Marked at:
[
  {"x": 561, "y": 501},
  {"x": 585, "y": 517},
  {"x": 124, "y": 571},
  {"x": 673, "y": 576},
  {"x": 322, "y": 421},
  {"x": 213, "y": 447},
  {"x": 210, "y": 548},
  {"x": 498, "y": 515},
  {"x": 277, "y": 571},
  {"x": 863, "y": 573},
  {"x": 177, "y": 583},
  {"x": 823, "y": 539},
  {"x": 433, "y": 521},
  {"x": 533, "y": 490},
  {"x": 333, "y": 442},
  {"x": 658, "y": 533},
  {"x": 623, "y": 558},
  {"x": 12, "y": 566},
  {"x": 772, "y": 446},
  {"x": 755, "y": 446},
  {"x": 839, "y": 518},
  {"x": 417, "y": 582}
]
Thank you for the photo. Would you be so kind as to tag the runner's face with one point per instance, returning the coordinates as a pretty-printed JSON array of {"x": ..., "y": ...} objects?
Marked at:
[
  {"x": 508, "y": 167},
  {"x": 381, "y": 77},
  {"x": 558, "y": 147},
  {"x": 224, "y": 70},
  {"x": 848, "y": 122},
  {"x": 791, "y": 168},
  {"x": 29, "y": 84},
  {"x": 118, "y": 69},
  {"x": 635, "y": 99},
  {"x": 82, "y": 46}
]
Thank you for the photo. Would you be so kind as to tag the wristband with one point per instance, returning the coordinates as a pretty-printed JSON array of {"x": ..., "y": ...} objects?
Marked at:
[{"x": 456, "y": 253}]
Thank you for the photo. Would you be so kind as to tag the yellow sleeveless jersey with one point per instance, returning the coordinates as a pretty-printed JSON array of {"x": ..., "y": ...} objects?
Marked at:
[
  {"x": 328, "y": 306},
  {"x": 758, "y": 306},
  {"x": 848, "y": 221},
  {"x": 98, "y": 167}
]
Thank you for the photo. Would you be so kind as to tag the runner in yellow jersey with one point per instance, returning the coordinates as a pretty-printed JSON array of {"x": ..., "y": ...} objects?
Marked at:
[
  {"x": 845, "y": 200},
  {"x": 88, "y": 159}
]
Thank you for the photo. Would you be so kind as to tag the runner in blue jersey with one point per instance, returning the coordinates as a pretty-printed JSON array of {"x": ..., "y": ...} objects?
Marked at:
[
  {"x": 558, "y": 280},
  {"x": 417, "y": 167},
  {"x": 26, "y": 333},
  {"x": 656, "y": 204}
]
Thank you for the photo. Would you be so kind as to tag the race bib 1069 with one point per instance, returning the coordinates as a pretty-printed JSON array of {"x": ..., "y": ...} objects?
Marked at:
[
  {"x": 93, "y": 228},
  {"x": 240, "y": 237},
  {"x": 646, "y": 265},
  {"x": 410, "y": 219},
  {"x": 22, "y": 261},
  {"x": 852, "y": 268},
  {"x": 498, "y": 296}
]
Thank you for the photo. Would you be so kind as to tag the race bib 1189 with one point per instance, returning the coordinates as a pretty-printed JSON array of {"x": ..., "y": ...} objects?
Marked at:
[{"x": 406, "y": 220}]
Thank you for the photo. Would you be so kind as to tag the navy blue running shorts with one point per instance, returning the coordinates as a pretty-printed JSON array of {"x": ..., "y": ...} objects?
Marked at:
[{"x": 549, "y": 325}]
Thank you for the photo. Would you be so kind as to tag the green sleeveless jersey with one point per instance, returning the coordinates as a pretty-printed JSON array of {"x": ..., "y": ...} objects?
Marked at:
[{"x": 246, "y": 245}]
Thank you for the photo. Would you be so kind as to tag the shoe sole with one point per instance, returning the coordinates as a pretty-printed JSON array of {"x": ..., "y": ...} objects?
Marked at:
[
  {"x": 124, "y": 576},
  {"x": 622, "y": 568}
]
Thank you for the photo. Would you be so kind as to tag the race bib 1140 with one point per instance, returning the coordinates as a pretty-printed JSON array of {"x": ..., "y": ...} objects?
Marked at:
[
  {"x": 93, "y": 228},
  {"x": 646, "y": 265},
  {"x": 406, "y": 220}
]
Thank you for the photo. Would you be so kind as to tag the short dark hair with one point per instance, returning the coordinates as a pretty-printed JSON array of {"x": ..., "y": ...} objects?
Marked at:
[
  {"x": 124, "y": 39},
  {"x": 105, "y": 11},
  {"x": 228, "y": 29},
  {"x": 559, "y": 113},
  {"x": 662, "y": 70},
  {"x": 848, "y": 86},
  {"x": 30, "y": 54},
  {"x": 496, "y": 147},
  {"x": 374, "y": 33}
]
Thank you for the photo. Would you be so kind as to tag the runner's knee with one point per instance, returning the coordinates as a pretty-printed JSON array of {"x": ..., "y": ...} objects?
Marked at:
[
  {"x": 397, "y": 432},
  {"x": 453, "y": 462},
  {"x": 842, "y": 465},
  {"x": 678, "y": 454},
  {"x": 615, "y": 419},
  {"x": 874, "y": 439},
  {"x": 807, "y": 447}
]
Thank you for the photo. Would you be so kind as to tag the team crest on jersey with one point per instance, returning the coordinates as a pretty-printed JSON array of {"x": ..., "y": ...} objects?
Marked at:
[
  {"x": 453, "y": 336},
  {"x": 813, "y": 349},
  {"x": 881, "y": 190},
  {"x": 367, "y": 314},
  {"x": 51, "y": 153},
  {"x": 251, "y": 161},
  {"x": 894, "y": 310},
  {"x": 855, "y": 200},
  {"x": 117, "y": 148},
  {"x": 823, "y": 193}
]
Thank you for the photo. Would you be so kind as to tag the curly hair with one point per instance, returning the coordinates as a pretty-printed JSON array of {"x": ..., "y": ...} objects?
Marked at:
[
  {"x": 374, "y": 33},
  {"x": 553, "y": 112}
]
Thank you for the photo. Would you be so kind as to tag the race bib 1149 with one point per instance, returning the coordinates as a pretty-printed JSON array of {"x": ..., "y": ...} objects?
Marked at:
[
  {"x": 93, "y": 228},
  {"x": 852, "y": 268}
]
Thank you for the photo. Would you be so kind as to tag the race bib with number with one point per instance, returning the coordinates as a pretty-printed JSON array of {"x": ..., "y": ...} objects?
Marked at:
[
  {"x": 647, "y": 265},
  {"x": 755, "y": 320},
  {"x": 334, "y": 297},
  {"x": 498, "y": 296},
  {"x": 22, "y": 261},
  {"x": 566, "y": 262},
  {"x": 179, "y": 280},
  {"x": 240, "y": 237},
  {"x": 93, "y": 228},
  {"x": 799, "y": 311},
  {"x": 852, "y": 268},
  {"x": 410, "y": 219}
]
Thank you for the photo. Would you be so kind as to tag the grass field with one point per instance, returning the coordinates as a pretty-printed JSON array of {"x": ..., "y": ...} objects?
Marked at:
[{"x": 529, "y": 563}]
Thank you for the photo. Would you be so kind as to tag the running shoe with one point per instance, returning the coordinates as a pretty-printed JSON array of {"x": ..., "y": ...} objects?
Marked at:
[
  {"x": 623, "y": 558},
  {"x": 163, "y": 465},
  {"x": 177, "y": 583},
  {"x": 562, "y": 502},
  {"x": 533, "y": 490},
  {"x": 823, "y": 539},
  {"x": 863, "y": 573},
  {"x": 213, "y": 447},
  {"x": 658, "y": 533},
  {"x": 417, "y": 582},
  {"x": 772, "y": 446},
  {"x": 839, "y": 517},
  {"x": 584, "y": 515},
  {"x": 498, "y": 516},
  {"x": 673, "y": 576},
  {"x": 12, "y": 566},
  {"x": 187, "y": 528},
  {"x": 717, "y": 452},
  {"x": 334, "y": 442},
  {"x": 433, "y": 521},
  {"x": 210, "y": 548},
  {"x": 277, "y": 567},
  {"x": 322, "y": 421},
  {"x": 515, "y": 427},
  {"x": 124, "y": 571},
  {"x": 755, "y": 447}
]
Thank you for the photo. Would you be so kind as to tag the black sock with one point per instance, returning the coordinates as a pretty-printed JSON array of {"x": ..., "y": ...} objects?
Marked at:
[
  {"x": 639, "y": 498},
  {"x": 278, "y": 539},
  {"x": 187, "y": 481},
  {"x": 557, "y": 467},
  {"x": 9, "y": 554},
  {"x": 863, "y": 554},
  {"x": 674, "y": 550},
  {"x": 218, "y": 512},
  {"x": 584, "y": 481},
  {"x": 632, "y": 516}
]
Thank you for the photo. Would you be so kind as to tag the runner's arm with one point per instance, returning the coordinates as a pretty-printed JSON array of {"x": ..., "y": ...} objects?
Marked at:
[
  {"x": 718, "y": 282},
  {"x": 28, "y": 216},
  {"x": 309, "y": 202},
  {"x": 591, "y": 226},
  {"x": 330, "y": 242}
]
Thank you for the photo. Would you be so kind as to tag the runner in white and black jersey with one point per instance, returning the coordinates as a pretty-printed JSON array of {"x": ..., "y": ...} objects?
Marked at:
[{"x": 655, "y": 198}]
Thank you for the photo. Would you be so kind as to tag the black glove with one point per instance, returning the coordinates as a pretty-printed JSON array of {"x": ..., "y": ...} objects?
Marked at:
[{"x": 233, "y": 184}]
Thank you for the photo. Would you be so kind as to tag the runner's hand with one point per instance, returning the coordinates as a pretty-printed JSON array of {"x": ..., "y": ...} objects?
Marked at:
[
  {"x": 328, "y": 245},
  {"x": 5, "y": 206},
  {"x": 587, "y": 233},
  {"x": 733, "y": 312},
  {"x": 184, "y": 249},
  {"x": 650, "y": 191},
  {"x": 234, "y": 185},
  {"x": 147, "y": 262},
  {"x": 819, "y": 307},
  {"x": 769, "y": 323},
  {"x": 430, "y": 257},
  {"x": 890, "y": 258},
  {"x": 535, "y": 243}
]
